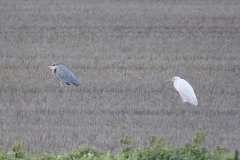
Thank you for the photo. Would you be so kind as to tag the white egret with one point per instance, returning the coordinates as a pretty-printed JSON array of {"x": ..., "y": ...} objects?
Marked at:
[{"x": 185, "y": 90}]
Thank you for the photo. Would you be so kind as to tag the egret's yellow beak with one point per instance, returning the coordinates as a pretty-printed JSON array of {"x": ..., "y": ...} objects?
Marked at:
[{"x": 169, "y": 80}]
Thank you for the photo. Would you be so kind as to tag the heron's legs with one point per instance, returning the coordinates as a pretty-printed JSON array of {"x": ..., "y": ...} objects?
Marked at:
[{"x": 61, "y": 90}]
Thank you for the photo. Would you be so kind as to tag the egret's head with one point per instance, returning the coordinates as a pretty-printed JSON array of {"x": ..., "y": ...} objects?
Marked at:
[
  {"x": 173, "y": 79},
  {"x": 53, "y": 66}
]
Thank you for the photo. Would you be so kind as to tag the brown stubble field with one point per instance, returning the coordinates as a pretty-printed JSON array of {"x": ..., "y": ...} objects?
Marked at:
[{"x": 121, "y": 52}]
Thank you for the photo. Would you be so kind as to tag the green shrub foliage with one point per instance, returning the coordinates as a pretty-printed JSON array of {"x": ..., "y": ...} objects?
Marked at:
[{"x": 156, "y": 150}]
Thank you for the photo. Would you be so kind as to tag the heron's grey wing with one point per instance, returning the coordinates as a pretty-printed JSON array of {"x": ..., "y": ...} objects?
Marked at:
[
  {"x": 186, "y": 91},
  {"x": 64, "y": 75}
]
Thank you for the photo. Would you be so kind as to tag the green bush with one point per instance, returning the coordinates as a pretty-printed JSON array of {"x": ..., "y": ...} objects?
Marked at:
[{"x": 156, "y": 150}]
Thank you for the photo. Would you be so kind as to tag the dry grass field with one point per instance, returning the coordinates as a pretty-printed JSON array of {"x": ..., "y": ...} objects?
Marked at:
[{"x": 121, "y": 52}]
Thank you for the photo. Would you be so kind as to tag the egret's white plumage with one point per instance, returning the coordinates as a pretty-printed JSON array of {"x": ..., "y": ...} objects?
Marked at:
[{"x": 185, "y": 90}]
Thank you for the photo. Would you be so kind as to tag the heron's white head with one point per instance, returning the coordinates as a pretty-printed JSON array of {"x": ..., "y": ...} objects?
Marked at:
[
  {"x": 173, "y": 79},
  {"x": 53, "y": 66}
]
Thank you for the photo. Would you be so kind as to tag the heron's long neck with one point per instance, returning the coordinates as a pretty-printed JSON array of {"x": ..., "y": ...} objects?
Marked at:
[{"x": 54, "y": 71}]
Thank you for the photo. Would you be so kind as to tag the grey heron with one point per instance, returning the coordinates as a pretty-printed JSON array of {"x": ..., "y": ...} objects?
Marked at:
[
  {"x": 63, "y": 74},
  {"x": 185, "y": 90}
]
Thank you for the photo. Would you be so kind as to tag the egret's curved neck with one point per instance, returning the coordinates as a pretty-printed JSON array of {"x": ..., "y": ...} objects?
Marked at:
[{"x": 176, "y": 83}]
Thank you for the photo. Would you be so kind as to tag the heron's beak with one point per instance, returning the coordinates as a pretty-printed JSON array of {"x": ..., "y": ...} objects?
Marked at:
[
  {"x": 49, "y": 67},
  {"x": 169, "y": 80}
]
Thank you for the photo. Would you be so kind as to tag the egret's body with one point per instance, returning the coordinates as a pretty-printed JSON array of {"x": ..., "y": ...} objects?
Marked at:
[
  {"x": 185, "y": 90},
  {"x": 63, "y": 75}
]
